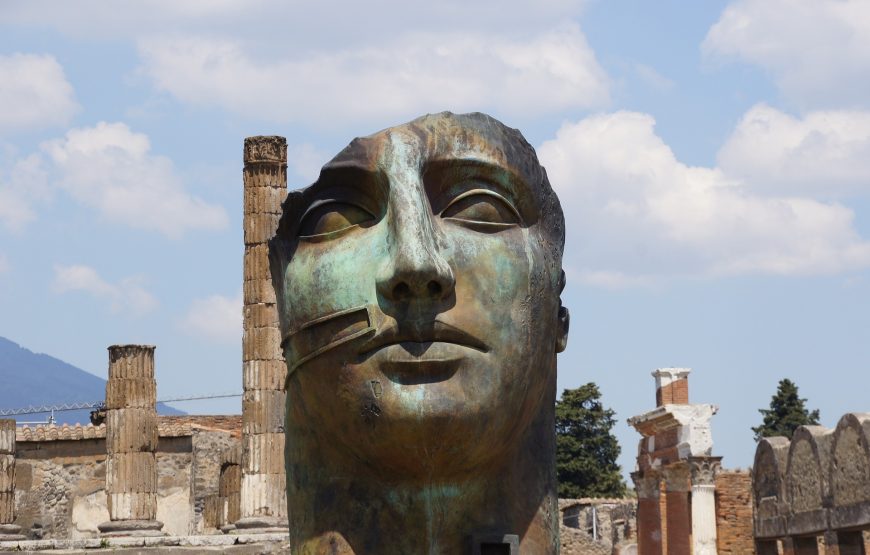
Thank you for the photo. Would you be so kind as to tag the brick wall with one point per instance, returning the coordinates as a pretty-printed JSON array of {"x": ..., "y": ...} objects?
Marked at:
[{"x": 734, "y": 513}]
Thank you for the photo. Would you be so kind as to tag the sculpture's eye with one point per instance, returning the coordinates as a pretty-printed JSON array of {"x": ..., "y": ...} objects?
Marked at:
[
  {"x": 483, "y": 210},
  {"x": 332, "y": 217}
]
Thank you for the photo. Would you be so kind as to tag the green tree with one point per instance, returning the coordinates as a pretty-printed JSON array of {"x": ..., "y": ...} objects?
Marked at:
[
  {"x": 586, "y": 450},
  {"x": 787, "y": 411}
]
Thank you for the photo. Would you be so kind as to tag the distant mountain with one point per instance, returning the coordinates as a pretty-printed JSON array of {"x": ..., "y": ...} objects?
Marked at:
[{"x": 31, "y": 379}]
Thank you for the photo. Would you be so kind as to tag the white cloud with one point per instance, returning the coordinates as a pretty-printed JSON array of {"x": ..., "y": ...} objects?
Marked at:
[
  {"x": 216, "y": 318},
  {"x": 818, "y": 50},
  {"x": 127, "y": 295},
  {"x": 404, "y": 77},
  {"x": 822, "y": 154},
  {"x": 33, "y": 92},
  {"x": 20, "y": 187},
  {"x": 637, "y": 214},
  {"x": 110, "y": 168}
]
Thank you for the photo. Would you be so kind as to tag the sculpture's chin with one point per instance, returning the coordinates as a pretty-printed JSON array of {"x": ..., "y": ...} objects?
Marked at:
[{"x": 447, "y": 422}]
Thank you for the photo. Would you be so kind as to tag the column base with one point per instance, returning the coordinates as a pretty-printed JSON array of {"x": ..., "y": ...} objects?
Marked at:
[
  {"x": 127, "y": 528},
  {"x": 11, "y": 533},
  {"x": 260, "y": 525}
]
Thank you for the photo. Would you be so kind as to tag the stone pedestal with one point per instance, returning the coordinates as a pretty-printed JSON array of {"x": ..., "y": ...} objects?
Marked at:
[
  {"x": 262, "y": 496},
  {"x": 8, "y": 530},
  {"x": 131, "y": 441}
]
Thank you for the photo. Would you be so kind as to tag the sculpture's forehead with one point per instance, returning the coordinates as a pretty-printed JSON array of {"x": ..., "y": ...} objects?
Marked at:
[{"x": 443, "y": 137}]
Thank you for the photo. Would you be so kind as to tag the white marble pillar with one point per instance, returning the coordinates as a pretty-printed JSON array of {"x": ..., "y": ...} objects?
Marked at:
[{"x": 704, "y": 504}]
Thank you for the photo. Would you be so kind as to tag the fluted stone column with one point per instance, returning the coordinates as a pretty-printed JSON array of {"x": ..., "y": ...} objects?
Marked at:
[
  {"x": 131, "y": 442},
  {"x": 263, "y": 497},
  {"x": 704, "y": 471},
  {"x": 8, "y": 530}
]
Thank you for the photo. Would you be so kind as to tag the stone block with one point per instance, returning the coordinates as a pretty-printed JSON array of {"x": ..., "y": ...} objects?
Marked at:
[
  {"x": 264, "y": 374},
  {"x": 263, "y": 454},
  {"x": 260, "y": 316},
  {"x": 7, "y": 436},
  {"x": 262, "y": 344},
  {"x": 263, "y": 411},
  {"x": 132, "y": 506},
  {"x": 258, "y": 291},
  {"x": 7, "y": 473},
  {"x": 263, "y": 200},
  {"x": 131, "y": 473},
  {"x": 131, "y": 430},
  {"x": 208, "y": 541},
  {"x": 259, "y": 228},
  {"x": 131, "y": 361},
  {"x": 131, "y": 393},
  {"x": 256, "y": 262},
  {"x": 264, "y": 495}
]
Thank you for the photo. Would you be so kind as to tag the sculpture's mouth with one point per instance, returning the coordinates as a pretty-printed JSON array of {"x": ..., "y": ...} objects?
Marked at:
[
  {"x": 425, "y": 354},
  {"x": 416, "y": 340}
]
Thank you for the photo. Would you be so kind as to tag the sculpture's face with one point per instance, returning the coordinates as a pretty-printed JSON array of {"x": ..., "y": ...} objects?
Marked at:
[{"x": 420, "y": 304}]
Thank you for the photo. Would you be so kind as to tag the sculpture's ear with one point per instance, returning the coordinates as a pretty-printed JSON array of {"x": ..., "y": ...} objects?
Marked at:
[{"x": 564, "y": 319}]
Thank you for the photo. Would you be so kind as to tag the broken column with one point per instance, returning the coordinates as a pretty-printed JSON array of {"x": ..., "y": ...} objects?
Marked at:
[
  {"x": 8, "y": 530},
  {"x": 675, "y": 434},
  {"x": 131, "y": 442},
  {"x": 263, "y": 497}
]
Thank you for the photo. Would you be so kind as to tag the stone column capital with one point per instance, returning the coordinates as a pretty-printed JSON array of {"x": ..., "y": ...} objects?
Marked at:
[
  {"x": 704, "y": 470},
  {"x": 677, "y": 477},
  {"x": 646, "y": 484},
  {"x": 265, "y": 149}
]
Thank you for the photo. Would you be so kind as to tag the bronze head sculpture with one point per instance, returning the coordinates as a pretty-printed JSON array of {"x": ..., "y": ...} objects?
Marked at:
[{"x": 418, "y": 284}]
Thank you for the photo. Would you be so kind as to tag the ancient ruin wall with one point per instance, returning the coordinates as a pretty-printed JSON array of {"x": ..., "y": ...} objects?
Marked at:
[{"x": 62, "y": 487}]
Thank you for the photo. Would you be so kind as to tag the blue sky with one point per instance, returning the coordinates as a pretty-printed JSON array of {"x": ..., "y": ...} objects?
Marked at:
[{"x": 713, "y": 161}]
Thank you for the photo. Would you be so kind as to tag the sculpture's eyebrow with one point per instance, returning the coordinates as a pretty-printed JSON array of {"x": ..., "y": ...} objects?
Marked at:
[
  {"x": 348, "y": 174},
  {"x": 501, "y": 175}
]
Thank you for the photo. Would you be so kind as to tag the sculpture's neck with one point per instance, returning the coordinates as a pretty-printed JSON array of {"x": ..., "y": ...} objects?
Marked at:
[{"x": 334, "y": 510}]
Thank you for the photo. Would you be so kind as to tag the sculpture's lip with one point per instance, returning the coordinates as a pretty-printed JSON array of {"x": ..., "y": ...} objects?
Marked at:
[{"x": 420, "y": 338}]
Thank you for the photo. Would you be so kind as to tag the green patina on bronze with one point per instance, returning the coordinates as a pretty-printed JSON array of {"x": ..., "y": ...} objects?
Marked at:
[{"x": 418, "y": 287}]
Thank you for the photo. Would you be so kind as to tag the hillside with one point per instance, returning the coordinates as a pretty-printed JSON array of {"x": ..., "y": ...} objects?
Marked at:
[{"x": 30, "y": 378}]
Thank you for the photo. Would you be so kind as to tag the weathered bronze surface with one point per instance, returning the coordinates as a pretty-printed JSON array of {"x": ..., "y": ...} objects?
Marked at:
[{"x": 418, "y": 285}]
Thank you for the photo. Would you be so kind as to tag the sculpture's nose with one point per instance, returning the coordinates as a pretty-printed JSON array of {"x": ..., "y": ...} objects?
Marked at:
[{"x": 416, "y": 269}]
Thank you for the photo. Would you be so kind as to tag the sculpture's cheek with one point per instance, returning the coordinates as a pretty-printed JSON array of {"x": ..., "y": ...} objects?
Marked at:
[{"x": 325, "y": 278}]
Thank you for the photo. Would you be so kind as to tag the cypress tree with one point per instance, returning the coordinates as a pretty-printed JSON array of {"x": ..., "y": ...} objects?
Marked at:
[
  {"x": 586, "y": 450},
  {"x": 787, "y": 411}
]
